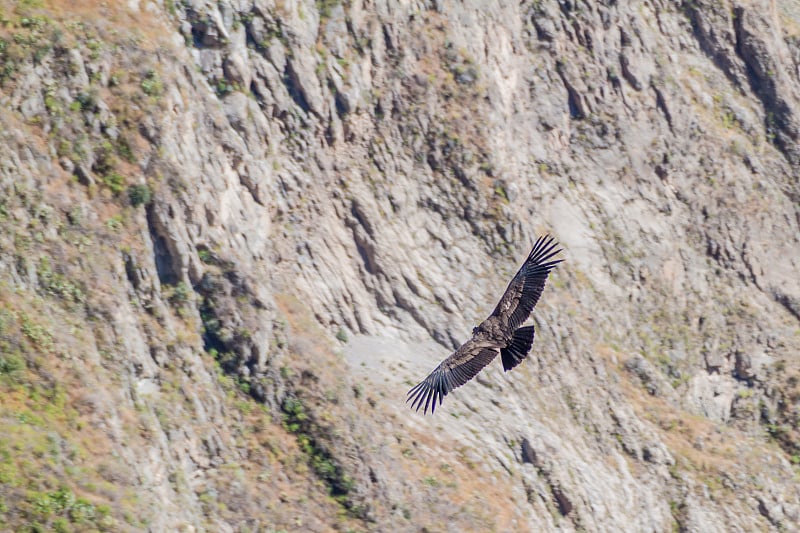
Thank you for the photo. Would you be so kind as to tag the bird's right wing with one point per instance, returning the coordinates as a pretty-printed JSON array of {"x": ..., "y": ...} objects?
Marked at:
[
  {"x": 463, "y": 365},
  {"x": 526, "y": 287}
]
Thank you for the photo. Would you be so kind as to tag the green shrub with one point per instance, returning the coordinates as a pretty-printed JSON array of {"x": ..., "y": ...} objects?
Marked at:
[
  {"x": 38, "y": 334},
  {"x": 105, "y": 158},
  {"x": 180, "y": 293},
  {"x": 114, "y": 181},
  {"x": 58, "y": 285},
  {"x": 61, "y": 525},
  {"x": 139, "y": 195},
  {"x": 294, "y": 414},
  {"x": 152, "y": 84},
  {"x": 10, "y": 364},
  {"x": 125, "y": 150},
  {"x": 206, "y": 256}
]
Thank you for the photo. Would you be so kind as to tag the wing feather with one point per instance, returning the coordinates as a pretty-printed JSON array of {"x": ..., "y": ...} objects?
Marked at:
[
  {"x": 463, "y": 365},
  {"x": 526, "y": 287}
]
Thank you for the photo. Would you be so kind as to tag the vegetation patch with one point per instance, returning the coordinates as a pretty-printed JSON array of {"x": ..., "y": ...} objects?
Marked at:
[
  {"x": 96, "y": 128},
  {"x": 140, "y": 194},
  {"x": 45, "y": 484},
  {"x": 297, "y": 421},
  {"x": 56, "y": 284}
]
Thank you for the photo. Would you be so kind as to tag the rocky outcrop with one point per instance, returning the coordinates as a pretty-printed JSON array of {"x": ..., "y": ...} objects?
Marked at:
[{"x": 239, "y": 231}]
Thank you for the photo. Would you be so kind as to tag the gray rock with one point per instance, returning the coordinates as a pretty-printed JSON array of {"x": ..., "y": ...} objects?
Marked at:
[{"x": 383, "y": 170}]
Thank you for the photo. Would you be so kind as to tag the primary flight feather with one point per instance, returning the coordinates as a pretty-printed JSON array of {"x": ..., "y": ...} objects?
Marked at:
[{"x": 500, "y": 333}]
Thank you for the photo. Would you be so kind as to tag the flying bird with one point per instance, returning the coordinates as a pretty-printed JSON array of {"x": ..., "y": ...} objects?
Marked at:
[{"x": 500, "y": 333}]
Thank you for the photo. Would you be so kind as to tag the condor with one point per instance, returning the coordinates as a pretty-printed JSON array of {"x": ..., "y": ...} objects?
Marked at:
[{"x": 500, "y": 333}]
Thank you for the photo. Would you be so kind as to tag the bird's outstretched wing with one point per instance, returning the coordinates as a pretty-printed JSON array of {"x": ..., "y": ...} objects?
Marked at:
[
  {"x": 526, "y": 287},
  {"x": 463, "y": 365}
]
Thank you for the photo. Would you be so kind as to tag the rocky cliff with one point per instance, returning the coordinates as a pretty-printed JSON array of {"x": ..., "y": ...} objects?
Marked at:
[{"x": 236, "y": 232}]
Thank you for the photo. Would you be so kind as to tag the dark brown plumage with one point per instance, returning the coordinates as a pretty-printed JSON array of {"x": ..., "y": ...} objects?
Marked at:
[{"x": 500, "y": 333}]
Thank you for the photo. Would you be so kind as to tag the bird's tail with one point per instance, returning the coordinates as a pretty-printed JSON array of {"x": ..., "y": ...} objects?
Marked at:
[{"x": 518, "y": 348}]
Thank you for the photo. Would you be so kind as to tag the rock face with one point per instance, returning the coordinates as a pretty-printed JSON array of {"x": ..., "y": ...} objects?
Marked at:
[{"x": 236, "y": 232}]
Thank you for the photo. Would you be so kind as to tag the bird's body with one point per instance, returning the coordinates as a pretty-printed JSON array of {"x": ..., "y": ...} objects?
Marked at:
[
  {"x": 501, "y": 333},
  {"x": 491, "y": 330}
]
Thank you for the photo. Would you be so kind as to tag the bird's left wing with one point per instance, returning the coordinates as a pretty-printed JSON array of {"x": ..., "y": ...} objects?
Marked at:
[
  {"x": 526, "y": 287},
  {"x": 463, "y": 365}
]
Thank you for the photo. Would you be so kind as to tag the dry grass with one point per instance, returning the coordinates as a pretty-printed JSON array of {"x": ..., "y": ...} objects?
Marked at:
[
  {"x": 705, "y": 451},
  {"x": 123, "y": 46},
  {"x": 279, "y": 471},
  {"x": 450, "y": 481},
  {"x": 52, "y": 414},
  {"x": 81, "y": 357},
  {"x": 309, "y": 345},
  {"x": 50, "y": 442},
  {"x": 149, "y": 29}
]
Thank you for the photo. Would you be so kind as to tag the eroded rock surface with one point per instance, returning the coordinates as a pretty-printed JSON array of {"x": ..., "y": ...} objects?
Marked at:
[{"x": 238, "y": 232}]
